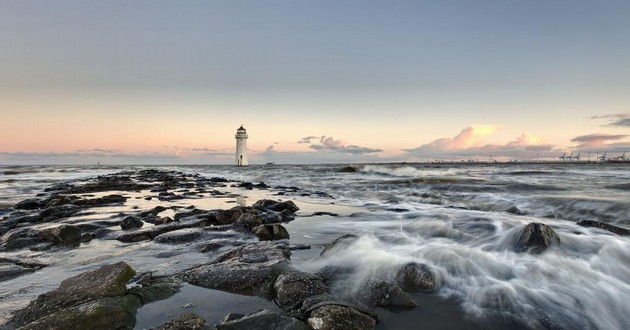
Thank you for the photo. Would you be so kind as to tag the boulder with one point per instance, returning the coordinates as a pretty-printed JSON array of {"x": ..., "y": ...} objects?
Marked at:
[
  {"x": 271, "y": 232},
  {"x": 101, "y": 314},
  {"x": 131, "y": 222},
  {"x": 19, "y": 238},
  {"x": 413, "y": 277},
  {"x": 154, "y": 289},
  {"x": 105, "y": 282},
  {"x": 179, "y": 236},
  {"x": 291, "y": 288},
  {"x": 249, "y": 220},
  {"x": 331, "y": 317},
  {"x": 186, "y": 321},
  {"x": 29, "y": 204},
  {"x": 250, "y": 269},
  {"x": 263, "y": 319},
  {"x": 536, "y": 238},
  {"x": 604, "y": 226},
  {"x": 61, "y": 235},
  {"x": 225, "y": 217},
  {"x": 267, "y": 204}
]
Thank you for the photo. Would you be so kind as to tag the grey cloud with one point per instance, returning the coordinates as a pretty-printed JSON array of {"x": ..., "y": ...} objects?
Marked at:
[
  {"x": 598, "y": 137},
  {"x": 308, "y": 139},
  {"x": 328, "y": 143},
  {"x": 616, "y": 119}
]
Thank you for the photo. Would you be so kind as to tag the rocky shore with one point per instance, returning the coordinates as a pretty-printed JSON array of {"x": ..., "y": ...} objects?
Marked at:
[{"x": 248, "y": 252}]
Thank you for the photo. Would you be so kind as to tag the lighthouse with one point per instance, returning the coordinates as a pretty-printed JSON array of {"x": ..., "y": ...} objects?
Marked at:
[{"x": 241, "y": 147}]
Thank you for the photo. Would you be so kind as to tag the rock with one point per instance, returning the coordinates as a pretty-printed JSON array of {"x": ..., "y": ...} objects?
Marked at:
[
  {"x": 10, "y": 271},
  {"x": 250, "y": 269},
  {"x": 179, "y": 236},
  {"x": 87, "y": 237},
  {"x": 61, "y": 235},
  {"x": 29, "y": 204},
  {"x": 105, "y": 314},
  {"x": 413, "y": 277},
  {"x": 154, "y": 289},
  {"x": 263, "y": 319},
  {"x": 224, "y": 217},
  {"x": 332, "y": 273},
  {"x": 152, "y": 232},
  {"x": 348, "y": 169},
  {"x": 105, "y": 200},
  {"x": 386, "y": 294},
  {"x": 131, "y": 222},
  {"x": 271, "y": 232},
  {"x": 20, "y": 238},
  {"x": 246, "y": 185},
  {"x": 536, "y": 238},
  {"x": 105, "y": 282},
  {"x": 231, "y": 317},
  {"x": 331, "y": 317},
  {"x": 249, "y": 220},
  {"x": 605, "y": 226},
  {"x": 339, "y": 243},
  {"x": 185, "y": 322},
  {"x": 291, "y": 288},
  {"x": 267, "y": 204},
  {"x": 514, "y": 210}
]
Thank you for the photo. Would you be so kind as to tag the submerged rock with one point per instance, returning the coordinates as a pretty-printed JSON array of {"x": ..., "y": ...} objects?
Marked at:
[
  {"x": 185, "y": 322},
  {"x": 262, "y": 319},
  {"x": 386, "y": 294},
  {"x": 339, "y": 243},
  {"x": 604, "y": 226},
  {"x": 536, "y": 238},
  {"x": 179, "y": 236},
  {"x": 413, "y": 277}
]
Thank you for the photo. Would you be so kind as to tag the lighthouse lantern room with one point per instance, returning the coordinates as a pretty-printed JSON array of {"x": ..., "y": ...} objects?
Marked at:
[{"x": 241, "y": 147}]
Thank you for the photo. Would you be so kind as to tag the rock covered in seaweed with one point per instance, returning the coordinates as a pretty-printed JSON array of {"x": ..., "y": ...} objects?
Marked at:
[{"x": 95, "y": 299}]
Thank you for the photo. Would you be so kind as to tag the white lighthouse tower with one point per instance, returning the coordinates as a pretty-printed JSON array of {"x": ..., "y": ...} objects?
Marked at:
[{"x": 241, "y": 147}]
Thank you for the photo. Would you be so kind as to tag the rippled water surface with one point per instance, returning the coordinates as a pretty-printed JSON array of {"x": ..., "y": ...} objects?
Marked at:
[{"x": 461, "y": 220}]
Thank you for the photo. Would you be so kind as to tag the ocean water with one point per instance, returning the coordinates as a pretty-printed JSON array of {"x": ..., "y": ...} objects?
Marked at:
[{"x": 460, "y": 219}]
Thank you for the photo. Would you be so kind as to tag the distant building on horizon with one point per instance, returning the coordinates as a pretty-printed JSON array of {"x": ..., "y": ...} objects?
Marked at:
[{"x": 241, "y": 147}]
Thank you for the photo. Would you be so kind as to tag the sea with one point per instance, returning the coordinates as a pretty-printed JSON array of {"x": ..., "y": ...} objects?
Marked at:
[{"x": 459, "y": 219}]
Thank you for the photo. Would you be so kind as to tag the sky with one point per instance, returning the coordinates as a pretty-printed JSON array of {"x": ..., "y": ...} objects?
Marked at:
[{"x": 169, "y": 82}]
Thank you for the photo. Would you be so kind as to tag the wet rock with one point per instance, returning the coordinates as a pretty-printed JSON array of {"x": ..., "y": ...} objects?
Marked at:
[
  {"x": 263, "y": 319},
  {"x": 61, "y": 235},
  {"x": 162, "y": 221},
  {"x": 186, "y": 321},
  {"x": 155, "y": 289},
  {"x": 29, "y": 204},
  {"x": 87, "y": 237},
  {"x": 604, "y": 226},
  {"x": 331, "y": 317},
  {"x": 386, "y": 294},
  {"x": 20, "y": 238},
  {"x": 217, "y": 179},
  {"x": 271, "y": 232},
  {"x": 291, "y": 288},
  {"x": 246, "y": 185},
  {"x": 58, "y": 212},
  {"x": 536, "y": 238},
  {"x": 131, "y": 222},
  {"x": 514, "y": 210},
  {"x": 294, "y": 247},
  {"x": 181, "y": 215},
  {"x": 267, "y": 204},
  {"x": 250, "y": 269},
  {"x": 105, "y": 200},
  {"x": 249, "y": 221},
  {"x": 228, "y": 216},
  {"x": 105, "y": 282},
  {"x": 9, "y": 270},
  {"x": 152, "y": 232},
  {"x": 413, "y": 277},
  {"x": 338, "y": 244},
  {"x": 105, "y": 314},
  {"x": 179, "y": 236},
  {"x": 349, "y": 169},
  {"x": 320, "y": 213},
  {"x": 332, "y": 273}
]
